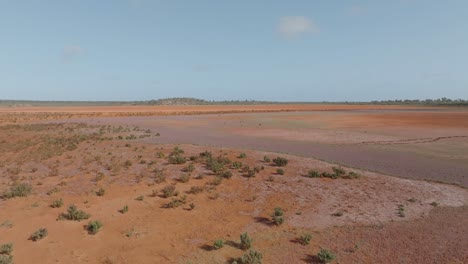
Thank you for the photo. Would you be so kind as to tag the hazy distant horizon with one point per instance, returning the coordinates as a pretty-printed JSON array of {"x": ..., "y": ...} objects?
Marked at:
[{"x": 298, "y": 51}]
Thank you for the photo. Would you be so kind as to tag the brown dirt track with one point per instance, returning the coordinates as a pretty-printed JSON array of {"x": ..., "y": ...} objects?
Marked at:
[{"x": 411, "y": 143}]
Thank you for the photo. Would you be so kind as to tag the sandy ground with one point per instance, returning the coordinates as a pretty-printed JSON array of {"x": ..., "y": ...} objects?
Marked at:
[{"x": 357, "y": 219}]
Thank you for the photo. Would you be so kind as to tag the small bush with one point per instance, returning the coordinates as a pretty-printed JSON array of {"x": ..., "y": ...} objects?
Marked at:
[
  {"x": 435, "y": 204},
  {"x": 93, "y": 227},
  {"x": 6, "y": 259},
  {"x": 124, "y": 209},
  {"x": 237, "y": 165},
  {"x": 160, "y": 155},
  {"x": 192, "y": 206},
  {"x": 305, "y": 239},
  {"x": 253, "y": 257},
  {"x": 176, "y": 202},
  {"x": 250, "y": 173},
  {"x": 184, "y": 178},
  {"x": 338, "y": 213},
  {"x": 325, "y": 256},
  {"x": 218, "y": 244},
  {"x": 140, "y": 198},
  {"x": 242, "y": 156},
  {"x": 266, "y": 159},
  {"x": 277, "y": 216},
  {"x": 19, "y": 190},
  {"x": 177, "y": 151},
  {"x": 246, "y": 241},
  {"x": 57, "y": 203},
  {"x": 189, "y": 168},
  {"x": 176, "y": 159},
  {"x": 339, "y": 172},
  {"x": 280, "y": 162},
  {"x": 6, "y": 249},
  {"x": 227, "y": 174},
  {"x": 280, "y": 171},
  {"x": 352, "y": 175},
  {"x": 53, "y": 190},
  {"x": 216, "y": 181},
  {"x": 169, "y": 191},
  {"x": 313, "y": 174},
  {"x": 73, "y": 214},
  {"x": 196, "y": 189},
  {"x": 101, "y": 192},
  {"x": 39, "y": 234}
]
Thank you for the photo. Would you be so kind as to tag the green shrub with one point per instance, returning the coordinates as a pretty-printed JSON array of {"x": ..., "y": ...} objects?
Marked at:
[
  {"x": 352, "y": 175},
  {"x": 325, "y": 256},
  {"x": 169, "y": 191},
  {"x": 57, "y": 203},
  {"x": 242, "y": 156},
  {"x": 93, "y": 227},
  {"x": 189, "y": 168},
  {"x": 124, "y": 209},
  {"x": 280, "y": 162},
  {"x": 176, "y": 202},
  {"x": 252, "y": 257},
  {"x": 237, "y": 165},
  {"x": 305, "y": 239},
  {"x": 280, "y": 171},
  {"x": 176, "y": 159},
  {"x": 227, "y": 174},
  {"x": 313, "y": 174},
  {"x": 160, "y": 155},
  {"x": 277, "y": 216},
  {"x": 184, "y": 178},
  {"x": 6, "y": 259},
  {"x": 177, "y": 151},
  {"x": 101, "y": 192},
  {"x": 53, "y": 190},
  {"x": 266, "y": 159},
  {"x": 6, "y": 249},
  {"x": 140, "y": 198},
  {"x": 251, "y": 173},
  {"x": 19, "y": 190},
  {"x": 257, "y": 169},
  {"x": 196, "y": 189},
  {"x": 218, "y": 244},
  {"x": 73, "y": 214},
  {"x": 246, "y": 241},
  {"x": 339, "y": 172},
  {"x": 39, "y": 234},
  {"x": 216, "y": 181}
]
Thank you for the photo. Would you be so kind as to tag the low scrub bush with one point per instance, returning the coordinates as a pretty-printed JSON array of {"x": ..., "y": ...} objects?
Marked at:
[
  {"x": 242, "y": 155},
  {"x": 189, "y": 168},
  {"x": 280, "y": 171},
  {"x": 252, "y": 257},
  {"x": 124, "y": 209},
  {"x": 176, "y": 159},
  {"x": 196, "y": 190},
  {"x": 169, "y": 191},
  {"x": 277, "y": 216},
  {"x": 19, "y": 190},
  {"x": 101, "y": 192},
  {"x": 237, "y": 165},
  {"x": 93, "y": 227},
  {"x": 266, "y": 159},
  {"x": 246, "y": 241},
  {"x": 305, "y": 239},
  {"x": 39, "y": 234},
  {"x": 6, "y": 249},
  {"x": 313, "y": 174},
  {"x": 325, "y": 256},
  {"x": 227, "y": 174},
  {"x": 184, "y": 178},
  {"x": 218, "y": 244},
  {"x": 159, "y": 175},
  {"x": 176, "y": 202},
  {"x": 280, "y": 162},
  {"x": 73, "y": 214},
  {"x": 57, "y": 203},
  {"x": 6, "y": 259}
]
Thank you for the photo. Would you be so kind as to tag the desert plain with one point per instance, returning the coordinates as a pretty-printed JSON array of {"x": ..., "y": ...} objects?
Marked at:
[{"x": 364, "y": 183}]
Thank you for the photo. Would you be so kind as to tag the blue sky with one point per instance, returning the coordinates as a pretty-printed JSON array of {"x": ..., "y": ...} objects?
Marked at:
[{"x": 307, "y": 50}]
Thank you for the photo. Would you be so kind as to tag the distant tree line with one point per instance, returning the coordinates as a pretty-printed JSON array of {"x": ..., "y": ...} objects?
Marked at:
[{"x": 194, "y": 101}]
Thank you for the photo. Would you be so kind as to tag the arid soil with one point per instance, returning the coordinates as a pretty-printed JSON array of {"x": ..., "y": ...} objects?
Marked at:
[
  {"x": 418, "y": 144},
  {"x": 365, "y": 217}
]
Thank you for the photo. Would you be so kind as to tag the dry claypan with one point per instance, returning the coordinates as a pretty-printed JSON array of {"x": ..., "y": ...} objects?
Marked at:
[{"x": 80, "y": 193}]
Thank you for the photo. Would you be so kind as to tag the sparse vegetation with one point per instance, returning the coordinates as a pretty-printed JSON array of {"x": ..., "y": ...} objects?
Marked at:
[
  {"x": 277, "y": 216},
  {"x": 218, "y": 244},
  {"x": 246, "y": 241},
  {"x": 39, "y": 234},
  {"x": 252, "y": 257},
  {"x": 280, "y": 171},
  {"x": 124, "y": 209},
  {"x": 280, "y": 162},
  {"x": 169, "y": 191},
  {"x": 305, "y": 239},
  {"x": 325, "y": 256},
  {"x": 6, "y": 249},
  {"x": 242, "y": 155},
  {"x": 93, "y": 227},
  {"x": 101, "y": 192},
  {"x": 313, "y": 174},
  {"x": 57, "y": 203},
  {"x": 19, "y": 190},
  {"x": 73, "y": 214},
  {"x": 266, "y": 159}
]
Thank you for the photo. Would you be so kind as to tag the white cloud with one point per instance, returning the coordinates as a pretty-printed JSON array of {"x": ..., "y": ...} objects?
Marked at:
[
  {"x": 293, "y": 26},
  {"x": 356, "y": 10},
  {"x": 70, "y": 52}
]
